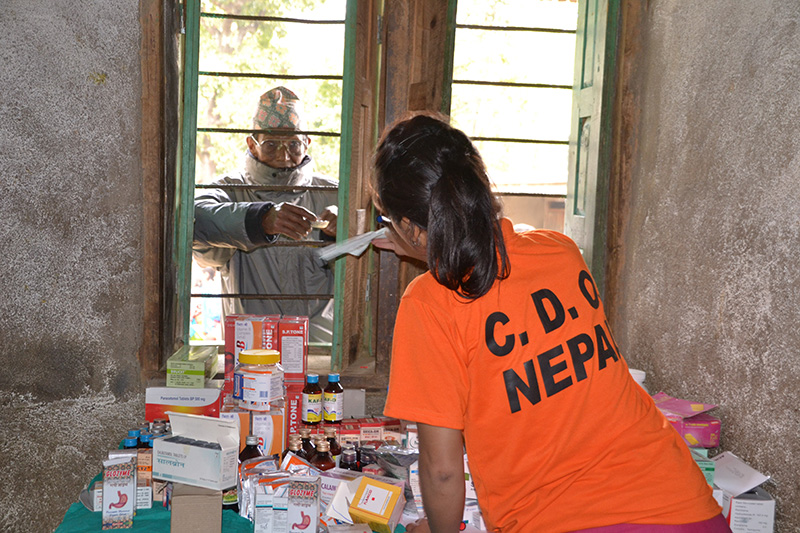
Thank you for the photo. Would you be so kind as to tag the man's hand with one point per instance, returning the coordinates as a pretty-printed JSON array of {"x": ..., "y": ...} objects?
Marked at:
[
  {"x": 330, "y": 214},
  {"x": 288, "y": 219}
]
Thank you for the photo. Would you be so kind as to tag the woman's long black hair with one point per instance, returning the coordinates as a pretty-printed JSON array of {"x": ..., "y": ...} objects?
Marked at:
[{"x": 430, "y": 173}]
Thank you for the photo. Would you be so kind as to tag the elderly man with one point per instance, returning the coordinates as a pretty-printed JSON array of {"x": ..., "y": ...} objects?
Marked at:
[{"x": 235, "y": 230}]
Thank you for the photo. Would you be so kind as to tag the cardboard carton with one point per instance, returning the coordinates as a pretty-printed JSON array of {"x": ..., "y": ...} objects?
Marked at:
[
  {"x": 293, "y": 345},
  {"x": 191, "y": 366},
  {"x": 377, "y": 504},
  {"x": 247, "y": 332},
  {"x": 202, "y": 451},
  {"x": 195, "y": 510},
  {"x": 119, "y": 492},
  {"x": 202, "y": 401},
  {"x": 691, "y": 420},
  {"x": 746, "y": 506},
  {"x": 294, "y": 406},
  {"x": 269, "y": 427}
]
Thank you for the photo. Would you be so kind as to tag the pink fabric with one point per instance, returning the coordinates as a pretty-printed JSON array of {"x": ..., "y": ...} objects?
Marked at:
[{"x": 712, "y": 525}]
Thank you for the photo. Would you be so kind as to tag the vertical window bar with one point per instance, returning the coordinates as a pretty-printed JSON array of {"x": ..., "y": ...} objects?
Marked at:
[
  {"x": 184, "y": 210},
  {"x": 345, "y": 165}
]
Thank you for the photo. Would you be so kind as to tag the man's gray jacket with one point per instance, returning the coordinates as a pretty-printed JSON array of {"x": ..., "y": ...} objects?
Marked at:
[{"x": 229, "y": 237}]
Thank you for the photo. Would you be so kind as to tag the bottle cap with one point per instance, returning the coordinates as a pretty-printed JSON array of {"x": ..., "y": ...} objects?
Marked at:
[
  {"x": 134, "y": 433},
  {"x": 333, "y": 378},
  {"x": 330, "y": 431},
  {"x": 311, "y": 378},
  {"x": 304, "y": 432},
  {"x": 131, "y": 442},
  {"x": 251, "y": 440},
  {"x": 323, "y": 446},
  {"x": 259, "y": 357}
]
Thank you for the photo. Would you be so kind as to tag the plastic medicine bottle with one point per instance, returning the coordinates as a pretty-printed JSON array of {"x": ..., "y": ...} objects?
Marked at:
[
  {"x": 333, "y": 400},
  {"x": 258, "y": 379},
  {"x": 312, "y": 400}
]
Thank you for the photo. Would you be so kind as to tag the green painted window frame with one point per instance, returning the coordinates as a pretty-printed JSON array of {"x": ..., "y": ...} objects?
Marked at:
[{"x": 183, "y": 210}]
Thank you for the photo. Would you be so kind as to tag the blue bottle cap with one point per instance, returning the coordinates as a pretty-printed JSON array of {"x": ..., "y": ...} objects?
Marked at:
[
  {"x": 313, "y": 378},
  {"x": 131, "y": 442},
  {"x": 134, "y": 433},
  {"x": 333, "y": 378}
]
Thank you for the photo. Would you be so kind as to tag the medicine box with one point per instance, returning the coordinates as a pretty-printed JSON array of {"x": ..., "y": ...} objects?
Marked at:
[
  {"x": 247, "y": 332},
  {"x": 706, "y": 465},
  {"x": 377, "y": 504},
  {"x": 191, "y": 366},
  {"x": 119, "y": 492},
  {"x": 161, "y": 400},
  {"x": 750, "y": 512},
  {"x": 293, "y": 345},
  {"x": 202, "y": 452}
]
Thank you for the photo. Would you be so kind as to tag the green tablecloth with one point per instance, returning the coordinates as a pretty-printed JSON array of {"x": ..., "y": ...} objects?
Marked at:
[{"x": 79, "y": 519}]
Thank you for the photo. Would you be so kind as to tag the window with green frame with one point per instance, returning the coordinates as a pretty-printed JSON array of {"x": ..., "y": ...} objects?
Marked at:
[
  {"x": 235, "y": 50},
  {"x": 512, "y": 93}
]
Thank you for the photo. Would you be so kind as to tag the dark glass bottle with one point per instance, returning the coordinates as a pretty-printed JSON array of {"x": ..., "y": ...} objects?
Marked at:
[
  {"x": 348, "y": 460},
  {"x": 305, "y": 438},
  {"x": 296, "y": 447},
  {"x": 335, "y": 448},
  {"x": 367, "y": 455},
  {"x": 250, "y": 449},
  {"x": 322, "y": 459}
]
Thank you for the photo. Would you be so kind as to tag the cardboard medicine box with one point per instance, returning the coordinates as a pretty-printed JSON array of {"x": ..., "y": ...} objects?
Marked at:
[
  {"x": 750, "y": 512},
  {"x": 691, "y": 420},
  {"x": 746, "y": 506},
  {"x": 247, "y": 332},
  {"x": 293, "y": 345},
  {"x": 202, "y": 451},
  {"x": 191, "y": 366},
  {"x": 377, "y": 504},
  {"x": 119, "y": 492},
  {"x": 161, "y": 400}
]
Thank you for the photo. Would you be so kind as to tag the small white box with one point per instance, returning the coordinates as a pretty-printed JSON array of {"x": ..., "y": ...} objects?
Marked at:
[
  {"x": 203, "y": 452},
  {"x": 751, "y": 512}
]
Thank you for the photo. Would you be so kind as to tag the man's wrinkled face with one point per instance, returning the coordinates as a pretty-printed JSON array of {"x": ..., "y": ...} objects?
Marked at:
[{"x": 279, "y": 151}]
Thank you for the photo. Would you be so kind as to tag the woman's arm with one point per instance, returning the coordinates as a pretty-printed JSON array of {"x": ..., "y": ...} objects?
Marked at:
[{"x": 441, "y": 470}]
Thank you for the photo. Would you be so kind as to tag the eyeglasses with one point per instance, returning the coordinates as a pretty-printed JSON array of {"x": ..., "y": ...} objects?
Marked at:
[{"x": 294, "y": 147}]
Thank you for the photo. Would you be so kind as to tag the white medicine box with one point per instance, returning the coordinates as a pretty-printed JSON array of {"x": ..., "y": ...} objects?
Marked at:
[{"x": 203, "y": 451}]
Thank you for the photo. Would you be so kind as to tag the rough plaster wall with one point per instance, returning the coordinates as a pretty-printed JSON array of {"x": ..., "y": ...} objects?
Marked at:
[
  {"x": 710, "y": 284},
  {"x": 71, "y": 305}
]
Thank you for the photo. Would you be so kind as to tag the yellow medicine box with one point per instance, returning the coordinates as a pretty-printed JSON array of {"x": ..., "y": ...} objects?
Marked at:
[{"x": 377, "y": 504}]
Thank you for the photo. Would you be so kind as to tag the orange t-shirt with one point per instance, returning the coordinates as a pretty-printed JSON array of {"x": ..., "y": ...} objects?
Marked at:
[{"x": 558, "y": 435}]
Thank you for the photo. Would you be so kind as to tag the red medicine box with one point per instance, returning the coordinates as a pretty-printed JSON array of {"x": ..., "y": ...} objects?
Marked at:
[{"x": 293, "y": 345}]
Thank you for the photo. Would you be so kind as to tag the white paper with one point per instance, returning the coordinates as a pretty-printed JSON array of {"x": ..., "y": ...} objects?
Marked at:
[
  {"x": 734, "y": 476},
  {"x": 353, "y": 246}
]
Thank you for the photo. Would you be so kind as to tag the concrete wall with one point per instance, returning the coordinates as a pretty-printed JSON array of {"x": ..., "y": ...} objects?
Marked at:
[
  {"x": 71, "y": 290},
  {"x": 708, "y": 276}
]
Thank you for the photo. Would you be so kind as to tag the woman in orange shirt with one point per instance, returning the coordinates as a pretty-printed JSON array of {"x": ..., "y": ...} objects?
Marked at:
[{"x": 502, "y": 348}]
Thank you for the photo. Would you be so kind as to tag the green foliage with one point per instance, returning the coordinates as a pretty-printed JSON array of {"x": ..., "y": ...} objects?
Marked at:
[
  {"x": 513, "y": 112},
  {"x": 266, "y": 47}
]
